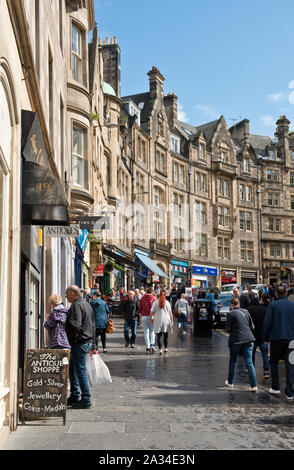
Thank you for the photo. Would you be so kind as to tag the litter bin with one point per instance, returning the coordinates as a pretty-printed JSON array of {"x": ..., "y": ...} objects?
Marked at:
[{"x": 202, "y": 317}]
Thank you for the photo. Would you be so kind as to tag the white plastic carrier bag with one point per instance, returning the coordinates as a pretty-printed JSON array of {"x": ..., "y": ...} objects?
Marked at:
[{"x": 97, "y": 370}]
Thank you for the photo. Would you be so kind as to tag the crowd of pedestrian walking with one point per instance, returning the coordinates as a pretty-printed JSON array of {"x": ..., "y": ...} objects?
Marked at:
[{"x": 254, "y": 321}]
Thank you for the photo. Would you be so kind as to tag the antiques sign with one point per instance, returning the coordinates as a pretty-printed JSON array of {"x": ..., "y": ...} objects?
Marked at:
[
  {"x": 45, "y": 384},
  {"x": 60, "y": 231}
]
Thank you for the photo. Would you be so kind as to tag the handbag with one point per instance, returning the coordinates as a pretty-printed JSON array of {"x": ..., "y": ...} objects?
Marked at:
[
  {"x": 110, "y": 327},
  {"x": 97, "y": 370}
]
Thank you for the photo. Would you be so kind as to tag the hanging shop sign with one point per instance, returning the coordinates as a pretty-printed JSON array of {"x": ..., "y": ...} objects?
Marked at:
[
  {"x": 45, "y": 384},
  {"x": 53, "y": 231},
  {"x": 99, "y": 271},
  {"x": 93, "y": 223},
  {"x": 44, "y": 201}
]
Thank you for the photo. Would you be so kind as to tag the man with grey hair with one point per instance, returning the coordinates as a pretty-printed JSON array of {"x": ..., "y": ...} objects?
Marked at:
[{"x": 80, "y": 330}]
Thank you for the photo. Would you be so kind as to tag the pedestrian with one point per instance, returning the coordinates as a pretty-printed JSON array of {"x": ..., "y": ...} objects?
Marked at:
[
  {"x": 95, "y": 287},
  {"x": 122, "y": 294},
  {"x": 145, "y": 305},
  {"x": 55, "y": 323},
  {"x": 167, "y": 294},
  {"x": 201, "y": 294},
  {"x": 137, "y": 296},
  {"x": 130, "y": 310},
  {"x": 162, "y": 317},
  {"x": 257, "y": 311},
  {"x": 80, "y": 330},
  {"x": 245, "y": 299},
  {"x": 101, "y": 315},
  {"x": 239, "y": 324},
  {"x": 88, "y": 295},
  {"x": 183, "y": 306},
  {"x": 173, "y": 296},
  {"x": 279, "y": 331}
]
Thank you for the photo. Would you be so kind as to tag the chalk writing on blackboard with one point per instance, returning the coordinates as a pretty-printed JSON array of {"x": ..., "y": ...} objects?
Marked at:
[{"x": 45, "y": 383}]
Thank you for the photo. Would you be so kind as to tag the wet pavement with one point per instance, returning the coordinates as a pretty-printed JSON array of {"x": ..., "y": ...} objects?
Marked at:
[{"x": 176, "y": 401}]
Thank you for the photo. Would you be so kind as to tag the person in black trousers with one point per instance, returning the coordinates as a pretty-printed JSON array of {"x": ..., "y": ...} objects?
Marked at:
[{"x": 257, "y": 311}]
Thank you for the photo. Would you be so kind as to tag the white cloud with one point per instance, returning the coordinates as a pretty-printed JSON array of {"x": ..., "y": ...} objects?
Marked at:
[
  {"x": 207, "y": 110},
  {"x": 275, "y": 97},
  {"x": 291, "y": 97},
  {"x": 267, "y": 121},
  {"x": 291, "y": 84},
  {"x": 181, "y": 114}
]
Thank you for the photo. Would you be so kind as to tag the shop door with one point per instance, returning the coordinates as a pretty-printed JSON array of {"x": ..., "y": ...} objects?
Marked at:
[{"x": 33, "y": 323}]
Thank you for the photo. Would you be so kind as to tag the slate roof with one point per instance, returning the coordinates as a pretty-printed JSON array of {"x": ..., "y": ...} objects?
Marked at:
[
  {"x": 209, "y": 129},
  {"x": 260, "y": 142},
  {"x": 141, "y": 98}
]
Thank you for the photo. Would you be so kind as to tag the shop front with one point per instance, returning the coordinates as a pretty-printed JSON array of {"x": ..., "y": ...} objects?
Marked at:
[
  {"x": 228, "y": 276},
  {"x": 155, "y": 275},
  {"x": 248, "y": 277},
  {"x": 179, "y": 272},
  {"x": 123, "y": 268},
  {"x": 204, "y": 276},
  {"x": 44, "y": 203}
]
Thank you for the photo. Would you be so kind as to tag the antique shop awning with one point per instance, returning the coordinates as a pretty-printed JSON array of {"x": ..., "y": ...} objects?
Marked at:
[
  {"x": 43, "y": 197},
  {"x": 151, "y": 265},
  {"x": 122, "y": 260}
]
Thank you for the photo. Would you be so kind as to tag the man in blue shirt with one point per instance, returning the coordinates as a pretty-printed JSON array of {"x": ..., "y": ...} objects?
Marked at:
[
  {"x": 101, "y": 314},
  {"x": 279, "y": 331}
]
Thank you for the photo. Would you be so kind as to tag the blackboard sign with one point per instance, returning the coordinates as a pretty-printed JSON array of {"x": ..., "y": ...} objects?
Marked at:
[{"x": 45, "y": 384}]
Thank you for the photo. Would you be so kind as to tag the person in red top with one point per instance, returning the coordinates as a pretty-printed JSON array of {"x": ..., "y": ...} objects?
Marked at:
[{"x": 144, "y": 308}]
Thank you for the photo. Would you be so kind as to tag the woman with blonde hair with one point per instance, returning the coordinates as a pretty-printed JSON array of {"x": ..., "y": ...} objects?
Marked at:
[
  {"x": 55, "y": 323},
  {"x": 162, "y": 318}
]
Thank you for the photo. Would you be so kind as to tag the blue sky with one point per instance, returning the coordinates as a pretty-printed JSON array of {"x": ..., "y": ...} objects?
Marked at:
[{"x": 219, "y": 57}]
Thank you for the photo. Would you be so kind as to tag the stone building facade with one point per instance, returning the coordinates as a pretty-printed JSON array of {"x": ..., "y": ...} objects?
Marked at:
[{"x": 218, "y": 198}]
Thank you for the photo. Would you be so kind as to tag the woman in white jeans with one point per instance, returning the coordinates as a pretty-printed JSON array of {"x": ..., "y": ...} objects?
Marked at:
[
  {"x": 145, "y": 308},
  {"x": 162, "y": 317}
]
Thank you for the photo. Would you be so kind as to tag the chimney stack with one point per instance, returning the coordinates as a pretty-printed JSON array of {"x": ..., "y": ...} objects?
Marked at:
[
  {"x": 155, "y": 82},
  {"x": 282, "y": 133},
  {"x": 171, "y": 109},
  {"x": 111, "y": 64}
]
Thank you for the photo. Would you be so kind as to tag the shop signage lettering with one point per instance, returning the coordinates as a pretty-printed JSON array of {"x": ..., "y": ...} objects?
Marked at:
[
  {"x": 62, "y": 231},
  {"x": 45, "y": 384},
  {"x": 96, "y": 223},
  {"x": 206, "y": 271}
]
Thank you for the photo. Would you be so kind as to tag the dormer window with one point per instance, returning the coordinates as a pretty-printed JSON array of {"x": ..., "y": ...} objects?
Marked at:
[
  {"x": 160, "y": 125},
  {"x": 246, "y": 165},
  {"x": 202, "y": 151},
  {"x": 174, "y": 143},
  {"x": 271, "y": 154},
  {"x": 224, "y": 156}
]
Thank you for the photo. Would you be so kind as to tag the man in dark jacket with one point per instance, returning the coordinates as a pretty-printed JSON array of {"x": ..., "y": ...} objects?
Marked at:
[
  {"x": 257, "y": 311},
  {"x": 239, "y": 325},
  {"x": 130, "y": 309},
  {"x": 80, "y": 330},
  {"x": 279, "y": 330}
]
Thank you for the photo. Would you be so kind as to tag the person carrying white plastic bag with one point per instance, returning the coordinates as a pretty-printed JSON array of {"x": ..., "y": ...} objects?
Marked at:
[{"x": 97, "y": 370}]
